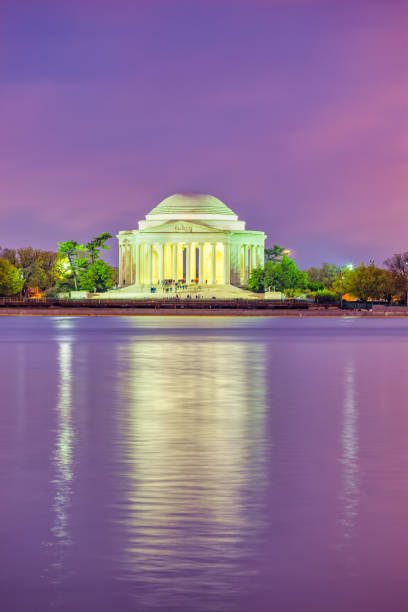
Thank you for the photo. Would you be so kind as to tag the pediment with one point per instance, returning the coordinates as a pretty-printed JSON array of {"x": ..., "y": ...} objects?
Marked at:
[{"x": 182, "y": 227}]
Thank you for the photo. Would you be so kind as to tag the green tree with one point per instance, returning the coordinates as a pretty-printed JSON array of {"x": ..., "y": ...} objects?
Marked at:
[
  {"x": 37, "y": 277},
  {"x": 96, "y": 244},
  {"x": 368, "y": 283},
  {"x": 341, "y": 284},
  {"x": 256, "y": 281},
  {"x": 9, "y": 278},
  {"x": 323, "y": 276},
  {"x": 275, "y": 253},
  {"x": 39, "y": 269},
  {"x": 72, "y": 251},
  {"x": 97, "y": 276},
  {"x": 284, "y": 275},
  {"x": 393, "y": 287},
  {"x": 51, "y": 265}
]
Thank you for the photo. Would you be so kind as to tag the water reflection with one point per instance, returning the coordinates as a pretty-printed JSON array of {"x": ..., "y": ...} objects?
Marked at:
[
  {"x": 191, "y": 436},
  {"x": 63, "y": 461},
  {"x": 349, "y": 456}
]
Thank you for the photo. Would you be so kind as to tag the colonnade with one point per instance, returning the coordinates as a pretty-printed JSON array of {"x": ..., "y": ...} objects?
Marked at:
[
  {"x": 148, "y": 263},
  {"x": 248, "y": 257}
]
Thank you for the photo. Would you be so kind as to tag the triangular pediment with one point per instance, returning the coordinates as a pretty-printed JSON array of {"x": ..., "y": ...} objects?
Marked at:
[{"x": 182, "y": 227}]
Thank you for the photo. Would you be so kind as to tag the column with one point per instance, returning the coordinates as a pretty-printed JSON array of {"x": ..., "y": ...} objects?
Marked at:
[
  {"x": 188, "y": 262},
  {"x": 200, "y": 263},
  {"x": 245, "y": 259},
  {"x": 137, "y": 264},
  {"x": 193, "y": 269},
  {"x": 226, "y": 264},
  {"x": 125, "y": 265},
  {"x": 234, "y": 264},
  {"x": 149, "y": 264},
  {"x": 120, "y": 265},
  {"x": 161, "y": 263},
  {"x": 167, "y": 260},
  {"x": 174, "y": 267},
  {"x": 253, "y": 257},
  {"x": 180, "y": 271},
  {"x": 213, "y": 277},
  {"x": 256, "y": 259},
  {"x": 131, "y": 273},
  {"x": 142, "y": 264},
  {"x": 262, "y": 256}
]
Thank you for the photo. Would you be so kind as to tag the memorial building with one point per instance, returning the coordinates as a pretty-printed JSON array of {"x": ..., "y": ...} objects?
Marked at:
[{"x": 188, "y": 239}]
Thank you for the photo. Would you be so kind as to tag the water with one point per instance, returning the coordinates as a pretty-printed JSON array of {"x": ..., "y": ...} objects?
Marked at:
[{"x": 198, "y": 464}]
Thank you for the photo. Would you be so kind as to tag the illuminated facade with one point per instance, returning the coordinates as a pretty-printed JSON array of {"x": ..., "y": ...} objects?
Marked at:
[{"x": 190, "y": 238}]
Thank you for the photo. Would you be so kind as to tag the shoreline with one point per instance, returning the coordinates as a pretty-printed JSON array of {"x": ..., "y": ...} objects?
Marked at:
[{"x": 164, "y": 312}]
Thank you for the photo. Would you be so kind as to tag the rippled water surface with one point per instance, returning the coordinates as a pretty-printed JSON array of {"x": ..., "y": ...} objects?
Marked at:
[{"x": 194, "y": 464}]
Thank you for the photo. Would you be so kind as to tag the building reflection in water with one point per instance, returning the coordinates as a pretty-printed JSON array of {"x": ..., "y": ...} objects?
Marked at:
[
  {"x": 63, "y": 461},
  {"x": 191, "y": 438},
  {"x": 349, "y": 456}
]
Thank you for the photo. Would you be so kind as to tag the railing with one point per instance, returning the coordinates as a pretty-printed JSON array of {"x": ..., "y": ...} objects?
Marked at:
[
  {"x": 158, "y": 303},
  {"x": 24, "y": 301}
]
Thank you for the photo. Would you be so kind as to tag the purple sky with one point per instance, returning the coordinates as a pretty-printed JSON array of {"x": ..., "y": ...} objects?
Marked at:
[{"x": 293, "y": 112}]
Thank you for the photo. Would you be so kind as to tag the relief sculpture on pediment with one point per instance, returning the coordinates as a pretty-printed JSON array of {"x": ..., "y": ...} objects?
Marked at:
[{"x": 182, "y": 227}]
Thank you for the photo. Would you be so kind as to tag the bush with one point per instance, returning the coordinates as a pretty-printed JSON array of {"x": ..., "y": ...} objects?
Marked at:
[
  {"x": 52, "y": 292},
  {"x": 324, "y": 296},
  {"x": 256, "y": 280},
  {"x": 98, "y": 276}
]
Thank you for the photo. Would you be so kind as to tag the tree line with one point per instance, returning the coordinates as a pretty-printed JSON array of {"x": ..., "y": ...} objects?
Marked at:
[
  {"x": 329, "y": 282},
  {"x": 76, "y": 266},
  {"x": 73, "y": 266}
]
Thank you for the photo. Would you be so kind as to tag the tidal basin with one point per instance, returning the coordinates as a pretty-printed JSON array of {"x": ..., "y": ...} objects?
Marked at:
[{"x": 198, "y": 464}]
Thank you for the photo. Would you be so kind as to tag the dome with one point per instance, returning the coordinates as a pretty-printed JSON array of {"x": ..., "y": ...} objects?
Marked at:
[{"x": 195, "y": 204}]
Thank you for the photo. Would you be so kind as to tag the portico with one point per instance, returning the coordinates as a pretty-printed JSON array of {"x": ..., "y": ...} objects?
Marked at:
[{"x": 190, "y": 239}]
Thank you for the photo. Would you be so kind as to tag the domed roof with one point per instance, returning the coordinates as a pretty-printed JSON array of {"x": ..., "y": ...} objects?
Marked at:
[{"x": 191, "y": 204}]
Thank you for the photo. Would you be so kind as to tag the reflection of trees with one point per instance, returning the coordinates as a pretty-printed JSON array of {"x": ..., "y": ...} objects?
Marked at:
[{"x": 191, "y": 438}]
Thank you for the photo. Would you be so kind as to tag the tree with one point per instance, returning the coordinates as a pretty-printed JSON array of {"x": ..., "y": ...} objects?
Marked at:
[
  {"x": 393, "y": 287},
  {"x": 10, "y": 255},
  {"x": 97, "y": 243},
  {"x": 324, "y": 276},
  {"x": 364, "y": 282},
  {"x": 51, "y": 264},
  {"x": 367, "y": 283},
  {"x": 27, "y": 256},
  {"x": 256, "y": 281},
  {"x": 9, "y": 278},
  {"x": 341, "y": 284},
  {"x": 97, "y": 276},
  {"x": 275, "y": 253},
  {"x": 37, "y": 278},
  {"x": 398, "y": 264},
  {"x": 39, "y": 269},
  {"x": 72, "y": 251},
  {"x": 88, "y": 271},
  {"x": 284, "y": 275}
]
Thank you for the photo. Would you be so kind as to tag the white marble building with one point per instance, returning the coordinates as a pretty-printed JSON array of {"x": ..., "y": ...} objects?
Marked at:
[{"x": 190, "y": 238}]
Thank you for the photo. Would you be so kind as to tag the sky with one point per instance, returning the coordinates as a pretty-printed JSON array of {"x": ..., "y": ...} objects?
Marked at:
[{"x": 292, "y": 112}]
